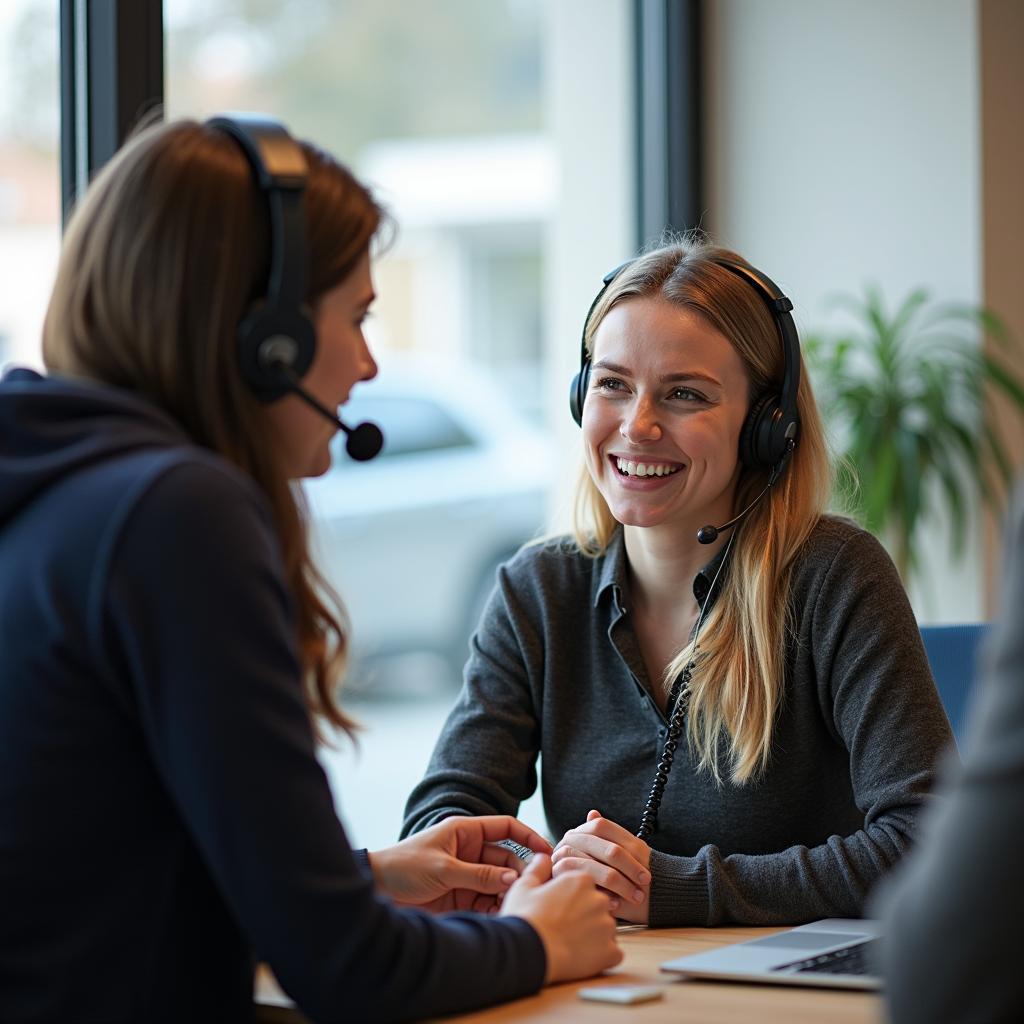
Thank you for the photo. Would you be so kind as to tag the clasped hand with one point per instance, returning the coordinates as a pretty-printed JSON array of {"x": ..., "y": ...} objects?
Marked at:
[
  {"x": 454, "y": 865},
  {"x": 615, "y": 859}
]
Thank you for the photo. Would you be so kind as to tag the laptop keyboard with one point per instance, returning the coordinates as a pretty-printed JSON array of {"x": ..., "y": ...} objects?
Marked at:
[{"x": 855, "y": 959}]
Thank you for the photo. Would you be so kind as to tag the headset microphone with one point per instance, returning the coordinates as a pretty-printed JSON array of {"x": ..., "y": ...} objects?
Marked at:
[
  {"x": 709, "y": 534},
  {"x": 362, "y": 442}
]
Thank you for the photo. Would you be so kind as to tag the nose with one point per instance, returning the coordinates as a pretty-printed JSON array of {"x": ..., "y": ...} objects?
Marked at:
[
  {"x": 640, "y": 422},
  {"x": 367, "y": 364}
]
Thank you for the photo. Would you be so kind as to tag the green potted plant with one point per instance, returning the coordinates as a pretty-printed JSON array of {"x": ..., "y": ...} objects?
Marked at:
[{"x": 904, "y": 397}]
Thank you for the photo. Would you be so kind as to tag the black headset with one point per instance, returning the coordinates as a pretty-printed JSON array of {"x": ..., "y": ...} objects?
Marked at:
[
  {"x": 277, "y": 329},
  {"x": 276, "y": 336},
  {"x": 770, "y": 430}
]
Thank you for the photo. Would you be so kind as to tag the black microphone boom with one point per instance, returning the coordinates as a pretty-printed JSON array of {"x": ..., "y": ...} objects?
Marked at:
[
  {"x": 362, "y": 442},
  {"x": 709, "y": 534}
]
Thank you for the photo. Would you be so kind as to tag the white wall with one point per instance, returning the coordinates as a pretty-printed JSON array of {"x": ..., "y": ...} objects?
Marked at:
[{"x": 843, "y": 147}]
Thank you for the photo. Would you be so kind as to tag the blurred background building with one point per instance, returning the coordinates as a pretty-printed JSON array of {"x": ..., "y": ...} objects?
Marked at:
[{"x": 525, "y": 147}]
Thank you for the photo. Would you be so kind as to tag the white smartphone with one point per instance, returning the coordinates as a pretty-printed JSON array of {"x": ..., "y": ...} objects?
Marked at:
[{"x": 623, "y": 993}]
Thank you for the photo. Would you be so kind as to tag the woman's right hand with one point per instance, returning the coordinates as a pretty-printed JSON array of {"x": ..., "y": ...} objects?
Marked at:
[
  {"x": 616, "y": 859},
  {"x": 572, "y": 918}
]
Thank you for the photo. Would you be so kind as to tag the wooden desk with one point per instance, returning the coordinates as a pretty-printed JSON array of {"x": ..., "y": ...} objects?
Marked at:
[{"x": 685, "y": 1002}]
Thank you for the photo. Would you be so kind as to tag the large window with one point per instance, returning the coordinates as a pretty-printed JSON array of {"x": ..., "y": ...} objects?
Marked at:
[
  {"x": 29, "y": 173},
  {"x": 486, "y": 128},
  {"x": 439, "y": 107}
]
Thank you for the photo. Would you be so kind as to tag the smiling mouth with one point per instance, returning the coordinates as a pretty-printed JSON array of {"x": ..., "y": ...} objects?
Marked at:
[{"x": 628, "y": 468}]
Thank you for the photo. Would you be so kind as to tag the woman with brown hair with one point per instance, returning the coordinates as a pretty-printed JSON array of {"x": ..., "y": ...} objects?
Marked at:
[
  {"x": 735, "y": 723},
  {"x": 165, "y": 640}
]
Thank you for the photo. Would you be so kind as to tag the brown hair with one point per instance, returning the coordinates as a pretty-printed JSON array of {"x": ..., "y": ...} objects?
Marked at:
[
  {"x": 166, "y": 251},
  {"x": 737, "y": 686}
]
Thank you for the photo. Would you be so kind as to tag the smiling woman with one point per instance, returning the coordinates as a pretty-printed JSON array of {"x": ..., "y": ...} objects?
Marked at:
[
  {"x": 668, "y": 394},
  {"x": 765, "y": 689}
]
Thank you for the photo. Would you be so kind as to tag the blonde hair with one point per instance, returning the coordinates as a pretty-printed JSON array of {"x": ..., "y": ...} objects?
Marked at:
[
  {"x": 168, "y": 248},
  {"x": 736, "y": 687}
]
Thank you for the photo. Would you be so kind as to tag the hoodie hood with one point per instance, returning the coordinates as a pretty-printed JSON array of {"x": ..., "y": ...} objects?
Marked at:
[{"x": 51, "y": 427}]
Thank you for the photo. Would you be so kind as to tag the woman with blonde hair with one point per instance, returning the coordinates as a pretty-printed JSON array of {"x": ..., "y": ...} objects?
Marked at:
[
  {"x": 165, "y": 640},
  {"x": 735, "y": 722}
]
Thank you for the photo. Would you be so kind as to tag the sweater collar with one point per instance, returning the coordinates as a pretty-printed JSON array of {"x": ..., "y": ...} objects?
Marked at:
[{"x": 613, "y": 575}]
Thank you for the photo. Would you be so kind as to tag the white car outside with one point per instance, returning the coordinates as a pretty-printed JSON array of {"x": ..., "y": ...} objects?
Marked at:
[{"x": 412, "y": 539}]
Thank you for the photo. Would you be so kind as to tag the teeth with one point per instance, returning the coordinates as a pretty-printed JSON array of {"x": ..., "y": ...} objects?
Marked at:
[{"x": 639, "y": 469}]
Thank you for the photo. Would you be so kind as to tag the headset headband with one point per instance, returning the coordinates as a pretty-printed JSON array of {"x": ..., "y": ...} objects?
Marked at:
[
  {"x": 780, "y": 308},
  {"x": 770, "y": 430},
  {"x": 276, "y": 337},
  {"x": 279, "y": 166}
]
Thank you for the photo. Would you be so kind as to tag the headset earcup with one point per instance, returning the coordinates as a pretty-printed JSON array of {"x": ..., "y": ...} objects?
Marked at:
[
  {"x": 578, "y": 393},
  {"x": 756, "y": 436},
  {"x": 259, "y": 326},
  {"x": 766, "y": 433}
]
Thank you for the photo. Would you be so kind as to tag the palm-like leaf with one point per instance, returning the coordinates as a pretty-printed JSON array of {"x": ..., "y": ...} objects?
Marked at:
[{"x": 905, "y": 396}]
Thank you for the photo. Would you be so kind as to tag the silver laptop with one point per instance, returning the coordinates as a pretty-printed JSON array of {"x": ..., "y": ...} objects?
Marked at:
[{"x": 834, "y": 953}]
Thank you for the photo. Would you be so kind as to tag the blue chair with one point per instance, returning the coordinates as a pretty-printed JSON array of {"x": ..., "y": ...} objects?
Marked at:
[{"x": 953, "y": 653}]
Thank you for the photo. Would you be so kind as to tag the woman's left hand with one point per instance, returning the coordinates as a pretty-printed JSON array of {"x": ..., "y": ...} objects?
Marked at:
[
  {"x": 615, "y": 858},
  {"x": 454, "y": 865}
]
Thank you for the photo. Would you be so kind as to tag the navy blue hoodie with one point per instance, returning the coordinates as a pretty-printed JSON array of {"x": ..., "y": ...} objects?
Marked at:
[{"x": 163, "y": 818}]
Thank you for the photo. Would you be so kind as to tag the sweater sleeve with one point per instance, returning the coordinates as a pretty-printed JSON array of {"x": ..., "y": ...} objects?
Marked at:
[
  {"x": 878, "y": 699},
  {"x": 958, "y": 902},
  {"x": 198, "y": 619},
  {"x": 485, "y": 759}
]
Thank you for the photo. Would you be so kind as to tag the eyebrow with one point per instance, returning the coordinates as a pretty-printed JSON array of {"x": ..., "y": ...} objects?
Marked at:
[{"x": 668, "y": 378}]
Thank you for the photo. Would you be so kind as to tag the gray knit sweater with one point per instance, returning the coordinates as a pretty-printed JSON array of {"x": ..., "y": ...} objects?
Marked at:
[{"x": 555, "y": 670}]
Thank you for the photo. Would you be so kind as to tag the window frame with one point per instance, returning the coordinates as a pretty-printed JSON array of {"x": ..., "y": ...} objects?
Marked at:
[
  {"x": 111, "y": 77},
  {"x": 669, "y": 118}
]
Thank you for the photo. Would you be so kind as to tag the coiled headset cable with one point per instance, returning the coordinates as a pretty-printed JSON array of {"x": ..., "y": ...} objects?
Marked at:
[{"x": 679, "y": 704}]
